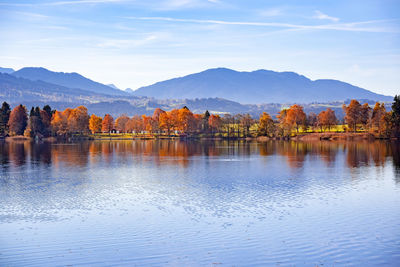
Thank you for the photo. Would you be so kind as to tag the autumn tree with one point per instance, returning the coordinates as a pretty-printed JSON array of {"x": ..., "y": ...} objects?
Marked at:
[
  {"x": 185, "y": 120},
  {"x": 198, "y": 123},
  {"x": 246, "y": 121},
  {"x": 312, "y": 121},
  {"x": 148, "y": 123},
  {"x": 284, "y": 128},
  {"x": 59, "y": 124},
  {"x": 228, "y": 122},
  {"x": 215, "y": 123},
  {"x": 78, "y": 120},
  {"x": 378, "y": 114},
  {"x": 165, "y": 122},
  {"x": 18, "y": 120},
  {"x": 95, "y": 124},
  {"x": 121, "y": 123},
  {"x": 156, "y": 119},
  {"x": 266, "y": 126},
  {"x": 365, "y": 113},
  {"x": 107, "y": 124},
  {"x": 135, "y": 124},
  {"x": 327, "y": 119},
  {"x": 4, "y": 117},
  {"x": 174, "y": 117},
  {"x": 296, "y": 117},
  {"x": 352, "y": 114}
]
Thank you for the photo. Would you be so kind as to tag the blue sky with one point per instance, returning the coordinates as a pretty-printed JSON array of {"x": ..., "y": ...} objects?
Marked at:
[{"x": 135, "y": 43}]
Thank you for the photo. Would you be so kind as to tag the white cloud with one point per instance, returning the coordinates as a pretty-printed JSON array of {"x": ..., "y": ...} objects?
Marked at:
[
  {"x": 132, "y": 43},
  {"x": 320, "y": 15},
  {"x": 271, "y": 12},
  {"x": 362, "y": 26},
  {"x": 184, "y": 4}
]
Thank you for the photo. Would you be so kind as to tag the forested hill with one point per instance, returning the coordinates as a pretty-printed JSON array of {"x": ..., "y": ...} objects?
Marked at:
[{"x": 261, "y": 86}]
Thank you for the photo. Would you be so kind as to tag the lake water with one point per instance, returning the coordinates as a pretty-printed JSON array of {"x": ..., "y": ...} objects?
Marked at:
[{"x": 176, "y": 203}]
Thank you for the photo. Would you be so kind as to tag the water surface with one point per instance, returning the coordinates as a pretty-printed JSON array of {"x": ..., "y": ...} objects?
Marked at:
[{"x": 176, "y": 203}]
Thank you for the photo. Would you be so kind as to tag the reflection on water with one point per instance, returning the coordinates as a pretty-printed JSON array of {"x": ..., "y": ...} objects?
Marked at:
[
  {"x": 199, "y": 203},
  {"x": 80, "y": 154}
]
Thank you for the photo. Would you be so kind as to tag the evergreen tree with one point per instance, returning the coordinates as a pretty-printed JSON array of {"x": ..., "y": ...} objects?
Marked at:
[
  {"x": 206, "y": 116},
  {"x": 396, "y": 115},
  {"x": 35, "y": 122},
  {"x": 48, "y": 110},
  {"x": 4, "y": 117}
]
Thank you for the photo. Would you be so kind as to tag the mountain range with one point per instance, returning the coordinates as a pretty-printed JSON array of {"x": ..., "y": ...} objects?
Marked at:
[
  {"x": 261, "y": 86},
  {"x": 70, "y": 80},
  {"x": 218, "y": 90}
]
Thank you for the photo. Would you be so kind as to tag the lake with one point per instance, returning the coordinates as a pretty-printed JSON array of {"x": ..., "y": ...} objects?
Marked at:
[{"x": 192, "y": 203}]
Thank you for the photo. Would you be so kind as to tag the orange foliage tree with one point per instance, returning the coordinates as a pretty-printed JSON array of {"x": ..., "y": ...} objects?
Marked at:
[
  {"x": 295, "y": 117},
  {"x": 135, "y": 124},
  {"x": 59, "y": 123},
  {"x": 166, "y": 122},
  {"x": 326, "y": 118},
  {"x": 78, "y": 120},
  {"x": 18, "y": 120},
  {"x": 185, "y": 120},
  {"x": 215, "y": 123},
  {"x": 266, "y": 126},
  {"x": 95, "y": 124},
  {"x": 352, "y": 114},
  {"x": 107, "y": 124},
  {"x": 121, "y": 124},
  {"x": 148, "y": 123}
]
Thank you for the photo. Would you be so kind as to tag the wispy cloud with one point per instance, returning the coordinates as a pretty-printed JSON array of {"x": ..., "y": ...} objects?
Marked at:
[
  {"x": 184, "y": 4},
  {"x": 363, "y": 26},
  {"x": 271, "y": 12},
  {"x": 132, "y": 43},
  {"x": 77, "y": 2},
  {"x": 320, "y": 15},
  {"x": 60, "y": 3}
]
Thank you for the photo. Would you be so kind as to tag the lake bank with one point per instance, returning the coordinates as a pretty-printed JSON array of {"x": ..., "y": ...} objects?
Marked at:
[{"x": 326, "y": 136}]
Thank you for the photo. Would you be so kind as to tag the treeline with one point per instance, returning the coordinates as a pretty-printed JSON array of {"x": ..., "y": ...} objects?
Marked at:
[{"x": 47, "y": 122}]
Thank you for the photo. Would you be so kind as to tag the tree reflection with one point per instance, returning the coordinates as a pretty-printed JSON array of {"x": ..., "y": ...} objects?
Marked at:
[{"x": 356, "y": 154}]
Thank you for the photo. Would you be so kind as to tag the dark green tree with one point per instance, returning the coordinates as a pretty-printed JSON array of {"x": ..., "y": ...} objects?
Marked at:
[
  {"x": 35, "y": 122},
  {"x": 48, "y": 110},
  {"x": 4, "y": 116},
  {"x": 396, "y": 116},
  {"x": 206, "y": 116}
]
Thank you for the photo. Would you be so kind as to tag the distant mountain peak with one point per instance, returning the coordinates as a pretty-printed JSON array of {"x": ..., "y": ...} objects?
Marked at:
[
  {"x": 70, "y": 80},
  {"x": 113, "y": 86},
  {"x": 259, "y": 86}
]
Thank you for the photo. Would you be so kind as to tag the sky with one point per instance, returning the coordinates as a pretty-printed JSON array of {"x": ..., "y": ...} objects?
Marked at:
[{"x": 137, "y": 43}]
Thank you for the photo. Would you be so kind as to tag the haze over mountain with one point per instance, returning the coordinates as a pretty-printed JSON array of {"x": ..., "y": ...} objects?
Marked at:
[
  {"x": 70, "y": 80},
  {"x": 261, "y": 86},
  {"x": 6, "y": 70},
  {"x": 15, "y": 89},
  {"x": 33, "y": 91}
]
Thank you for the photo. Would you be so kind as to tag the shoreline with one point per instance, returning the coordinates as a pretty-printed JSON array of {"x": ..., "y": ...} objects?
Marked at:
[{"x": 300, "y": 137}]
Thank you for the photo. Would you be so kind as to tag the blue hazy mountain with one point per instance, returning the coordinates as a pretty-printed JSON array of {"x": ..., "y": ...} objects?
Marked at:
[
  {"x": 15, "y": 89},
  {"x": 70, "y": 80},
  {"x": 261, "y": 86},
  {"x": 6, "y": 70}
]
